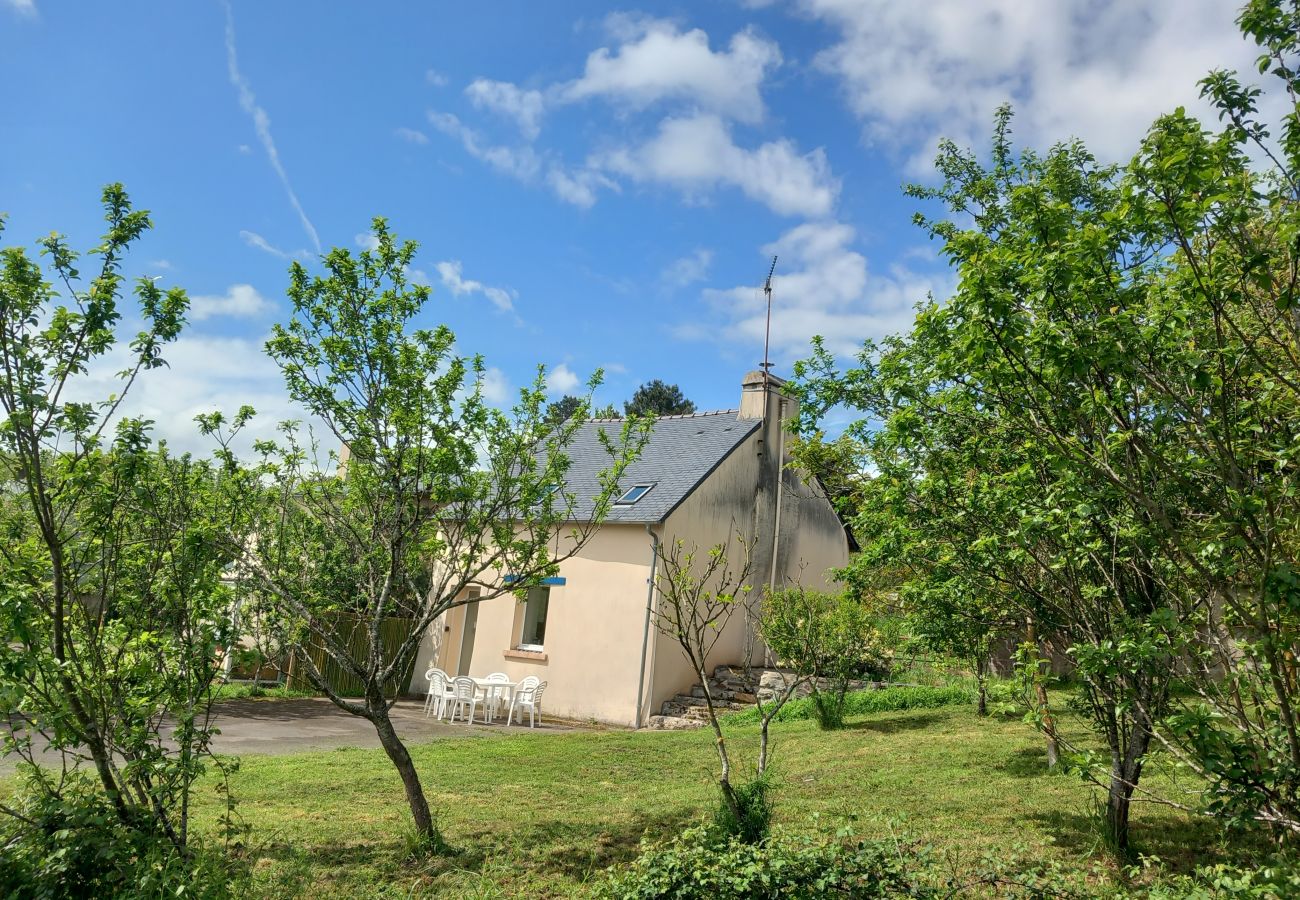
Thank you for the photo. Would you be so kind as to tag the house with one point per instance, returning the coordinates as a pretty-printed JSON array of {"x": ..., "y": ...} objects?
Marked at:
[{"x": 587, "y": 631}]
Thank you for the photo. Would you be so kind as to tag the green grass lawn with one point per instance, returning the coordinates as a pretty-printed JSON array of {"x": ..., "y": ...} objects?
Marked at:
[{"x": 538, "y": 814}]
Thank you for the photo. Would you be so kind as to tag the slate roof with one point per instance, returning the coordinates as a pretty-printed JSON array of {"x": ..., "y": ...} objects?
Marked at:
[{"x": 681, "y": 452}]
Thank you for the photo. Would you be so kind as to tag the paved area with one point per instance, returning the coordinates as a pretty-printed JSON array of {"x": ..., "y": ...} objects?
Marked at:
[{"x": 296, "y": 726}]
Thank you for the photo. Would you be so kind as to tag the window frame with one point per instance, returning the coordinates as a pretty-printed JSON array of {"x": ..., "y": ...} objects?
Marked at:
[
  {"x": 520, "y": 643},
  {"x": 648, "y": 487}
]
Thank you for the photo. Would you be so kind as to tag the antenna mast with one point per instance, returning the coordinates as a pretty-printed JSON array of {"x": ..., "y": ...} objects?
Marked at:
[{"x": 767, "y": 334}]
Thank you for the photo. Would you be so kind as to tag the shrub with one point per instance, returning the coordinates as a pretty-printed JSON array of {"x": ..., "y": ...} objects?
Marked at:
[
  {"x": 859, "y": 703},
  {"x": 72, "y": 843},
  {"x": 1272, "y": 879},
  {"x": 828, "y": 709},
  {"x": 823, "y": 636},
  {"x": 755, "y": 812},
  {"x": 700, "y": 864}
]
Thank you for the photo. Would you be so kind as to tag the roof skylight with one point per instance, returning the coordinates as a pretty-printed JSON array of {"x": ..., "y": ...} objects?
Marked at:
[{"x": 634, "y": 493}]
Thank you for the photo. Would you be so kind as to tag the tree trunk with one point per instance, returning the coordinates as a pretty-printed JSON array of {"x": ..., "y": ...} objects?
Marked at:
[
  {"x": 979, "y": 665},
  {"x": 720, "y": 744},
  {"x": 401, "y": 759},
  {"x": 1040, "y": 694},
  {"x": 1049, "y": 728},
  {"x": 1124, "y": 775}
]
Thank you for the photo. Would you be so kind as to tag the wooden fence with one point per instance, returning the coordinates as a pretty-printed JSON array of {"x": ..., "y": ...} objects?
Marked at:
[{"x": 353, "y": 633}]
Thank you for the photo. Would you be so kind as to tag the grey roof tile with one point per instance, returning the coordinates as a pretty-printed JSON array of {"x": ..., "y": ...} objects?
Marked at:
[{"x": 681, "y": 452}]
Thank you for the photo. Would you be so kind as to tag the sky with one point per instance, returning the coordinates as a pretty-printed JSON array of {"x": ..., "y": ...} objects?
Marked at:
[{"x": 592, "y": 186}]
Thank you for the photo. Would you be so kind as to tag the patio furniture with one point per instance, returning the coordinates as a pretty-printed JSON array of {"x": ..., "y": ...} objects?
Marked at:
[
  {"x": 439, "y": 693},
  {"x": 464, "y": 694},
  {"x": 529, "y": 698},
  {"x": 495, "y": 687}
]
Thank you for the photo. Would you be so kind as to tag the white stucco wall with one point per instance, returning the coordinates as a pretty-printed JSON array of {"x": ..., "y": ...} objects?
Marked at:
[
  {"x": 812, "y": 543},
  {"x": 593, "y": 638}
]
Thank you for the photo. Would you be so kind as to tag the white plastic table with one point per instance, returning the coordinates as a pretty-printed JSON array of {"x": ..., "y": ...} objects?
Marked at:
[{"x": 488, "y": 688}]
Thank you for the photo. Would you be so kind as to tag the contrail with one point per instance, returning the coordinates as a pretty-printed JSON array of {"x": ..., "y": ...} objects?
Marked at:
[{"x": 261, "y": 123}]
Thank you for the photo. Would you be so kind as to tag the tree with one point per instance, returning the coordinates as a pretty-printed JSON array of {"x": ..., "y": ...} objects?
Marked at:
[
  {"x": 986, "y": 404},
  {"x": 564, "y": 409},
  {"x": 437, "y": 490},
  {"x": 932, "y": 505},
  {"x": 954, "y": 617},
  {"x": 1131, "y": 336},
  {"x": 838, "y": 465},
  {"x": 110, "y": 590},
  {"x": 699, "y": 594},
  {"x": 823, "y": 637},
  {"x": 658, "y": 399}
]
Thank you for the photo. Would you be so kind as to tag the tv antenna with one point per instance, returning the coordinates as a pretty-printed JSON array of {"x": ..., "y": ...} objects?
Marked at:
[{"x": 767, "y": 334}]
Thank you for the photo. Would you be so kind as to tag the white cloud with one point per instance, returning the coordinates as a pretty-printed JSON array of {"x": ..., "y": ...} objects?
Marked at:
[
  {"x": 22, "y": 7},
  {"x": 262, "y": 125},
  {"x": 450, "y": 271},
  {"x": 255, "y": 240},
  {"x": 524, "y": 107},
  {"x": 163, "y": 264},
  {"x": 1100, "y": 70},
  {"x": 561, "y": 380},
  {"x": 240, "y": 301},
  {"x": 689, "y": 269},
  {"x": 576, "y": 186},
  {"x": 822, "y": 287},
  {"x": 496, "y": 387},
  {"x": 411, "y": 135},
  {"x": 659, "y": 62},
  {"x": 654, "y": 61},
  {"x": 697, "y": 154},
  {"x": 366, "y": 241},
  {"x": 436, "y": 78},
  {"x": 203, "y": 373},
  {"x": 579, "y": 186},
  {"x": 518, "y": 162}
]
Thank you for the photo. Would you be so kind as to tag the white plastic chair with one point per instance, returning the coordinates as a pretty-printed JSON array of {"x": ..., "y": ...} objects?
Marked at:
[
  {"x": 525, "y": 684},
  {"x": 492, "y": 696},
  {"x": 531, "y": 699},
  {"x": 439, "y": 693},
  {"x": 464, "y": 694}
]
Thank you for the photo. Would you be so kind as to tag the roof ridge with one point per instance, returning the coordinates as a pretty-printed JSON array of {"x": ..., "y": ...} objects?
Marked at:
[
  {"x": 694, "y": 415},
  {"x": 700, "y": 415}
]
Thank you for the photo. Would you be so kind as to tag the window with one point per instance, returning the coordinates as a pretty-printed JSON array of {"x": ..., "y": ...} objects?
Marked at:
[
  {"x": 635, "y": 493},
  {"x": 533, "y": 632},
  {"x": 546, "y": 493}
]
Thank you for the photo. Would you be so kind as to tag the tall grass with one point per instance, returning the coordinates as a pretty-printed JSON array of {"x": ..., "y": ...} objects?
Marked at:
[{"x": 857, "y": 703}]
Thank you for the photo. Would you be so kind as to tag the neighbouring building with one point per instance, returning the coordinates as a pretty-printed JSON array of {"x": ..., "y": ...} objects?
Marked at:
[{"x": 586, "y": 631}]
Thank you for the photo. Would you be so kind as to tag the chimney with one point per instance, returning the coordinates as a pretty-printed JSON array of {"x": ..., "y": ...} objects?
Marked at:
[
  {"x": 763, "y": 397},
  {"x": 755, "y": 403},
  {"x": 345, "y": 453}
]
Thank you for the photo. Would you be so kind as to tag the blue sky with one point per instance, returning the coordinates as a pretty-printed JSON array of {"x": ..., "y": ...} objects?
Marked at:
[{"x": 591, "y": 185}]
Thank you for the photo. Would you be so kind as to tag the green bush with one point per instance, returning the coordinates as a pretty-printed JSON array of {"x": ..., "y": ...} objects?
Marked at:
[
  {"x": 828, "y": 709},
  {"x": 73, "y": 844},
  {"x": 1272, "y": 879},
  {"x": 824, "y": 636},
  {"x": 755, "y": 813},
  {"x": 699, "y": 864},
  {"x": 857, "y": 703}
]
